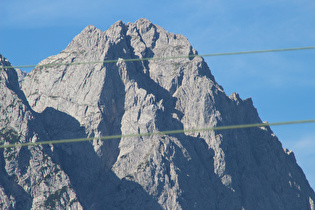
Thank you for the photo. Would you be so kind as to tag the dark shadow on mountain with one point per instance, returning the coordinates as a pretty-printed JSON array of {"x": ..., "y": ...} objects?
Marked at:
[
  {"x": 13, "y": 84},
  {"x": 112, "y": 106},
  {"x": 60, "y": 125},
  {"x": 23, "y": 159},
  {"x": 96, "y": 187},
  {"x": 201, "y": 187},
  {"x": 11, "y": 188}
]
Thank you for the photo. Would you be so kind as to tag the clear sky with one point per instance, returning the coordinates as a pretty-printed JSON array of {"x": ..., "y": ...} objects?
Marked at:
[{"x": 281, "y": 84}]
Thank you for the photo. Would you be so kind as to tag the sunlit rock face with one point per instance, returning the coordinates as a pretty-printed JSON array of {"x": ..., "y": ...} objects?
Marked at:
[{"x": 228, "y": 169}]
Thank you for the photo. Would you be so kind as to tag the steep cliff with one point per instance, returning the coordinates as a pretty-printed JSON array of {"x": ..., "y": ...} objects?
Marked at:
[
  {"x": 29, "y": 178},
  {"x": 230, "y": 169}
]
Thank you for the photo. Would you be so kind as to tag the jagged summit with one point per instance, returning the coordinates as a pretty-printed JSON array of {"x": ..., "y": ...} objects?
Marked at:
[
  {"x": 143, "y": 21},
  {"x": 230, "y": 169},
  {"x": 89, "y": 28},
  {"x": 138, "y": 40}
]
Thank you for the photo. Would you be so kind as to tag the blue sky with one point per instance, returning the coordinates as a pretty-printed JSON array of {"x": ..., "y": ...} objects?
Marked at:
[{"x": 282, "y": 84}]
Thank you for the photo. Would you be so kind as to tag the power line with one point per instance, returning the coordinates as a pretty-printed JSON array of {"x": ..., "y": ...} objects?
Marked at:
[
  {"x": 159, "y": 58},
  {"x": 159, "y": 133}
]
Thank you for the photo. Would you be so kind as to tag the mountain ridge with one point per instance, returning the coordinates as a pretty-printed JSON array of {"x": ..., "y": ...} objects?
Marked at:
[{"x": 245, "y": 168}]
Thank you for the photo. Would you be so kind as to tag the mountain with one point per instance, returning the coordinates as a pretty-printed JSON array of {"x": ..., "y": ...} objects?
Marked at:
[
  {"x": 21, "y": 74},
  {"x": 228, "y": 169},
  {"x": 29, "y": 177}
]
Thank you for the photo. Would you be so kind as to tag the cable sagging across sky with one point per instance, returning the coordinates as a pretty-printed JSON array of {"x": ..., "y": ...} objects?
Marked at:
[{"x": 159, "y": 58}]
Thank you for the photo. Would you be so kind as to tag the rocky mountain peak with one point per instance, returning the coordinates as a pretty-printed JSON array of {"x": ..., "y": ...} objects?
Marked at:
[
  {"x": 88, "y": 29},
  {"x": 9, "y": 75},
  {"x": 228, "y": 169},
  {"x": 85, "y": 40},
  {"x": 138, "y": 40}
]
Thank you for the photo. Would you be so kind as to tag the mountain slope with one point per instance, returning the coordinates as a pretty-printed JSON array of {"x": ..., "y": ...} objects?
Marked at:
[
  {"x": 29, "y": 178},
  {"x": 231, "y": 169}
]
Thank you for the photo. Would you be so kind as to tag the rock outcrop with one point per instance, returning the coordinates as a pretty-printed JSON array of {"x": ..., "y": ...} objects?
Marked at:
[
  {"x": 21, "y": 74},
  {"x": 29, "y": 177},
  {"x": 230, "y": 169}
]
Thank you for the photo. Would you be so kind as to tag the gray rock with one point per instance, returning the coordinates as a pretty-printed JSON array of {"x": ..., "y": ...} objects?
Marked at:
[
  {"x": 29, "y": 177},
  {"x": 229, "y": 169},
  {"x": 21, "y": 74}
]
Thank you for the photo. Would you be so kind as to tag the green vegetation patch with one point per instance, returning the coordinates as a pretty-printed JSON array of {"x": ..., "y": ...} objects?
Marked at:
[
  {"x": 54, "y": 198},
  {"x": 10, "y": 135},
  {"x": 142, "y": 166},
  {"x": 73, "y": 201}
]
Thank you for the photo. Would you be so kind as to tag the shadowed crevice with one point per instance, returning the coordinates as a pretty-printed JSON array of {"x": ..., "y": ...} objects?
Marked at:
[
  {"x": 11, "y": 188},
  {"x": 95, "y": 186}
]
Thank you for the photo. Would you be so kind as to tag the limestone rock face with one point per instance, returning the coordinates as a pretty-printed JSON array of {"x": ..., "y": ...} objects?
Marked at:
[
  {"x": 230, "y": 169},
  {"x": 21, "y": 74},
  {"x": 29, "y": 178}
]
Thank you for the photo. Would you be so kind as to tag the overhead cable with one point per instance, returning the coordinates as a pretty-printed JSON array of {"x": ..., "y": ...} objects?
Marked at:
[
  {"x": 157, "y": 58},
  {"x": 159, "y": 133}
]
